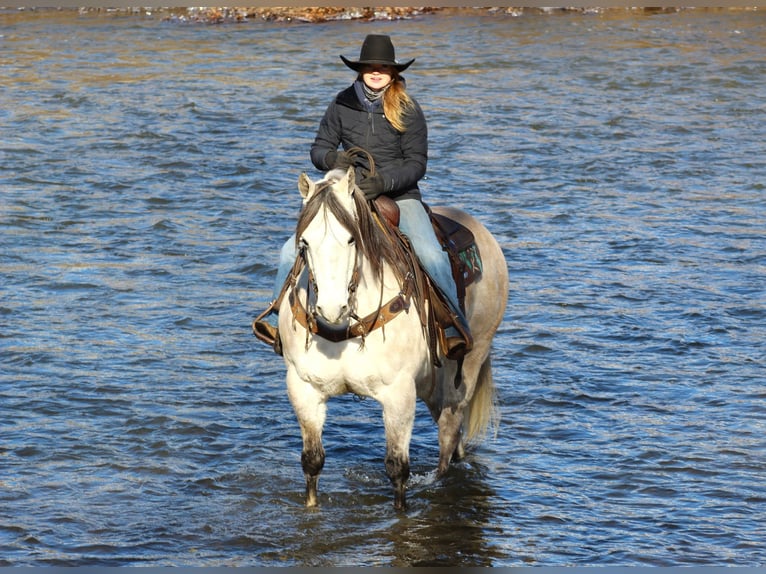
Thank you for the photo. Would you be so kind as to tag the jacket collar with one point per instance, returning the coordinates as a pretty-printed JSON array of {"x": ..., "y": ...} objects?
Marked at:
[{"x": 353, "y": 97}]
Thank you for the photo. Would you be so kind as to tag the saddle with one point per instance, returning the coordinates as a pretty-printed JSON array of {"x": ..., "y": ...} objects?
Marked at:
[
  {"x": 459, "y": 243},
  {"x": 455, "y": 238},
  {"x": 465, "y": 260}
]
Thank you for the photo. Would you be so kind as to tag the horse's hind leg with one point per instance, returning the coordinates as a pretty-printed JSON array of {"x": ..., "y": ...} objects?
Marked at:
[
  {"x": 450, "y": 435},
  {"x": 310, "y": 408},
  {"x": 398, "y": 419},
  {"x": 446, "y": 406}
]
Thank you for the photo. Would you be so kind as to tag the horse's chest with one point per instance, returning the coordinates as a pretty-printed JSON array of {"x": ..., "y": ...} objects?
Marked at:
[{"x": 355, "y": 371}]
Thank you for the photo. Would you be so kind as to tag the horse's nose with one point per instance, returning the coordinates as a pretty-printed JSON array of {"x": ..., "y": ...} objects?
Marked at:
[{"x": 332, "y": 316}]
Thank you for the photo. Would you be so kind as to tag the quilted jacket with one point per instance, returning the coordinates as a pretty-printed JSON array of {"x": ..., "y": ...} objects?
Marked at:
[{"x": 352, "y": 121}]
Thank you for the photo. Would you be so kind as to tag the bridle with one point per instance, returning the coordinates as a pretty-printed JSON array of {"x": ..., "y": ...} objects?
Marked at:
[
  {"x": 359, "y": 326},
  {"x": 306, "y": 314}
]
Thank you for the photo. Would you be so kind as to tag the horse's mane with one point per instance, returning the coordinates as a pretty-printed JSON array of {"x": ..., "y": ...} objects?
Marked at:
[{"x": 371, "y": 240}]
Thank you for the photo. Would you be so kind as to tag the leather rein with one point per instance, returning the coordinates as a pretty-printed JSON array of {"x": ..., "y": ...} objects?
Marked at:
[{"x": 362, "y": 326}]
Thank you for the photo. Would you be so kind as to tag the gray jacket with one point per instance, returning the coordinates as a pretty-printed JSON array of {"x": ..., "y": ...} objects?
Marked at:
[{"x": 352, "y": 121}]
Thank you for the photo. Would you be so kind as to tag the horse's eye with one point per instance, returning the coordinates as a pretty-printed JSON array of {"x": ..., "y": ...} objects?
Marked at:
[{"x": 351, "y": 241}]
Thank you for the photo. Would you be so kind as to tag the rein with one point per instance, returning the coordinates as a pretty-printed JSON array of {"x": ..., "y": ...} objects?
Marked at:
[
  {"x": 305, "y": 315},
  {"x": 363, "y": 325}
]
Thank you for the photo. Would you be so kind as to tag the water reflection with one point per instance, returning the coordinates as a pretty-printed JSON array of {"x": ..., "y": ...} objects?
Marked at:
[{"x": 452, "y": 522}]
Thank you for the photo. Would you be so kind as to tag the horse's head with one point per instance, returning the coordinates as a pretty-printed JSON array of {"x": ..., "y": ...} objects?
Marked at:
[
  {"x": 328, "y": 237},
  {"x": 342, "y": 244}
]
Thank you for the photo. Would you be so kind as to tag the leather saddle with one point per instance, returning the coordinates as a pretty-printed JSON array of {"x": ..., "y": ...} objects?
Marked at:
[
  {"x": 455, "y": 238},
  {"x": 459, "y": 243}
]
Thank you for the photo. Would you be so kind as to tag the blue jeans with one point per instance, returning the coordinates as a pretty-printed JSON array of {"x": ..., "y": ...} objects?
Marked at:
[
  {"x": 287, "y": 257},
  {"x": 416, "y": 225}
]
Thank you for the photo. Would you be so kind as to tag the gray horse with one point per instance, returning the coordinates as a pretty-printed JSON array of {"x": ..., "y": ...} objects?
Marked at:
[{"x": 346, "y": 274}]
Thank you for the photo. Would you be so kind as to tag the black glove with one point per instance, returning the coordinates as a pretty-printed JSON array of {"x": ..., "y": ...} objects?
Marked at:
[
  {"x": 372, "y": 186},
  {"x": 338, "y": 160}
]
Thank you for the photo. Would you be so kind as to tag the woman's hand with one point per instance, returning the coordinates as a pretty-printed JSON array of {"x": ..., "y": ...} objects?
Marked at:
[
  {"x": 372, "y": 186},
  {"x": 338, "y": 160}
]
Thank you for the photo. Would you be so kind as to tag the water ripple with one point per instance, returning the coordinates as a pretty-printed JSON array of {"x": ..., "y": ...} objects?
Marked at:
[{"x": 148, "y": 182}]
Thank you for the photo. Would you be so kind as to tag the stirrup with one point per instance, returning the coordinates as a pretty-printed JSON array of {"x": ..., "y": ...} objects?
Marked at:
[
  {"x": 457, "y": 347},
  {"x": 268, "y": 334}
]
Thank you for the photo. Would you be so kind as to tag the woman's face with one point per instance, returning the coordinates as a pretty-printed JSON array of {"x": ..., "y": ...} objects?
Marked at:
[{"x": 376, "y": 76}]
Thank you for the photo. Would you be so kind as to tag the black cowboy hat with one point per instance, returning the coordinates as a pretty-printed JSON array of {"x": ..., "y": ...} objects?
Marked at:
[{"x": 376, "y": 49}]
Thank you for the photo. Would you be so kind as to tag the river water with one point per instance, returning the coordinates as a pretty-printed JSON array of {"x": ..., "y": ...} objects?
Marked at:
[{"x": 148, "y": 173}]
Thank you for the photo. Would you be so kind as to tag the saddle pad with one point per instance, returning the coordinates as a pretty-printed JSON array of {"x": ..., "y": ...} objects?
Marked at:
[{"x": 459, "y": 242}]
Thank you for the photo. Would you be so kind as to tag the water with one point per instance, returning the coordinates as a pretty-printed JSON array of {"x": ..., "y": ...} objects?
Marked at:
[{"x": 148, "y": 173}]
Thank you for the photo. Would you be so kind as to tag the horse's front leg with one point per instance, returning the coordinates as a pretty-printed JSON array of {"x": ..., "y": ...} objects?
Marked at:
[
  {"x": 398, "y": 419},
  {"x": 311, "y": 409},
  {"x": 312, "y": 461}
]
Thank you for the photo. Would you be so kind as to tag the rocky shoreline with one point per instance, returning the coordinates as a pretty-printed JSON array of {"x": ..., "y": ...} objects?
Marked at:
[
  {"x": 219, "y": 15},
  {"x": 297, "y": 14},
  {"x": 317, "y": 14}
]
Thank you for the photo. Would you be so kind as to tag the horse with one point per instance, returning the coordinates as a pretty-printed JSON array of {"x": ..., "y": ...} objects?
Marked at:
[{"x": 346, "y": 271}]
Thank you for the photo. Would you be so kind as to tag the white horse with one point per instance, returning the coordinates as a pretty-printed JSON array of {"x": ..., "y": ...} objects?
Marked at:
[{"x": 347, "y": 326}]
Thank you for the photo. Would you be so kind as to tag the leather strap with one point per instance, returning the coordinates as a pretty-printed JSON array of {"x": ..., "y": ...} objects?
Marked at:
[{"x": 375, "y": 320}]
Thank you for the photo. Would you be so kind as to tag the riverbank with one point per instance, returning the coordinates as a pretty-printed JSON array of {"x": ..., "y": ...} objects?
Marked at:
[
  {"x": 317, "y": 14},
  {"x": 325, "y": 13}
]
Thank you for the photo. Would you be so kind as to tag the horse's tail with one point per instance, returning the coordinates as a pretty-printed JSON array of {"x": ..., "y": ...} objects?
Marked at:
[{"x": 481, "y": 413}]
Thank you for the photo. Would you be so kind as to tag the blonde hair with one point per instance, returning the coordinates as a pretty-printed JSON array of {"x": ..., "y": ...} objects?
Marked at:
[{"x": 396, "y": 103}]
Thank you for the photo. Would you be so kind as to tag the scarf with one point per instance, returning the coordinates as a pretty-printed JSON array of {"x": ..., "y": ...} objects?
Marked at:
[
  {"x": 372, "y": 95},
  {"x": 370, "y": 99}
]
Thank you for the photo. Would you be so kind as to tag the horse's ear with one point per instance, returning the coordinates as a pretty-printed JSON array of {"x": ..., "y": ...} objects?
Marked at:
[
  {"x": 305, "y": 186},
  {"x": 349, "y": 179}
]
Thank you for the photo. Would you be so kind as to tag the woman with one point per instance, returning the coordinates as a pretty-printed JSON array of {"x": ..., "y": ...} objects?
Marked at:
[{"x": 377, "y": 114}]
